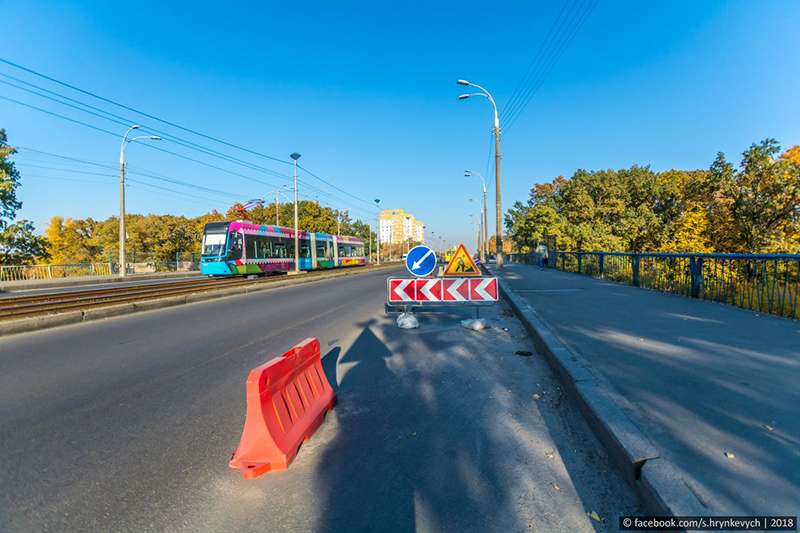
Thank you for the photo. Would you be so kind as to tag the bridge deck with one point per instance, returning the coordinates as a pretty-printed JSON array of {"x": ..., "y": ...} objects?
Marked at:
[{"x": 703, "y": 378}]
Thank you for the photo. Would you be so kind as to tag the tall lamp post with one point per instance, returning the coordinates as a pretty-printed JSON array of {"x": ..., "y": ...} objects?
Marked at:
[
  {"x": 378, "y": 234},
  {"x": 278, "y": 203},
  {"x": 485, "y": 232},
  {"x": 125, "y": 141},
  {"x": 295, "y": 156},
  {"x": 498, "y": 204}
]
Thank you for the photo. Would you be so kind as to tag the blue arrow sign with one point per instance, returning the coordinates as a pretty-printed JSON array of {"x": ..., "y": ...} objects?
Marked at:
[{"x": 421, "y": 260}]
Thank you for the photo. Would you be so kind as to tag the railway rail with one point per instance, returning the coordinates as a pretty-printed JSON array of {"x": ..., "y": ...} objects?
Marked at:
[{"x": 42, "y": 304}]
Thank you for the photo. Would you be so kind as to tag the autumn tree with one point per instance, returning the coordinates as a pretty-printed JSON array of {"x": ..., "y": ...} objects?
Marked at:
[
  {"x": 18, "y": 242},
  {"x": 753, "y": 208},
  {"x": 758, "y": 202}
]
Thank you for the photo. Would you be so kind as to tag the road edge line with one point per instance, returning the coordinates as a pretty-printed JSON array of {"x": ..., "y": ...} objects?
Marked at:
[{"x": 660, "y": 485}]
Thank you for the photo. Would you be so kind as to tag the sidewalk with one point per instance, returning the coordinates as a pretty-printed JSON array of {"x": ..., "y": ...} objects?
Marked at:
[{"x": 703, "y": 379}]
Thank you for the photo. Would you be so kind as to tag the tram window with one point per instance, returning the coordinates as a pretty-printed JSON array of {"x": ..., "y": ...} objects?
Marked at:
[
  {"x": 251, "y": 246},
  {"x": 279, "y": 249},
  {"x": 321, "y": 250},
  {"x": 213, "y": 243},
  {"x": 358, "y": 251},
  {"x": 235, "y": 248},
  {"x": 305, "y": 249}
]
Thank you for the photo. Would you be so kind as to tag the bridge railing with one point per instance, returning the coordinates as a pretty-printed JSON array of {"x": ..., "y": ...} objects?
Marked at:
[
  {"x": 33, "y": 272},
  {"x": 765, "y": 283},
  {"x": 138, "y": 264}
]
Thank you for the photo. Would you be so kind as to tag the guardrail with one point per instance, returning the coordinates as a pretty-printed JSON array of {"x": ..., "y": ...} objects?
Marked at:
[
  {"x": 765, "y": 283},
  {"x": 34, "y": 272},
  {"x": 31, "y": 272}
]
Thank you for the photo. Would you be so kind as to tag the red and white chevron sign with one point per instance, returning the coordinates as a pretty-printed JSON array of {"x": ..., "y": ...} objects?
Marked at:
[{"x": 441, "y": 290}]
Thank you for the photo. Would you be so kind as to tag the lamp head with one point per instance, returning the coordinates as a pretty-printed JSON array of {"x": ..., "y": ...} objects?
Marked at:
[
  {"x": 463, "y": 82},
  {"x": 295, "y": 156},
  {"x": 155, "y": 138},
  {"x": 463, "y": 96}
]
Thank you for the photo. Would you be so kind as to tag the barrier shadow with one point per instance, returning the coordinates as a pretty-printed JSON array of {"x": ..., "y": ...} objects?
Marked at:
[{"x": 424, "y": 441}]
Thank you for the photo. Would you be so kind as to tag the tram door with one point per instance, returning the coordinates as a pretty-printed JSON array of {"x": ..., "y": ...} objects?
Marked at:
[{"x": 335, "y": 250}]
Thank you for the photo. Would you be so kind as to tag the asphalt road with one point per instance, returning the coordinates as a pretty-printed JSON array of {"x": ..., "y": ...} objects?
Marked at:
[{"x": 127, "y": 424}]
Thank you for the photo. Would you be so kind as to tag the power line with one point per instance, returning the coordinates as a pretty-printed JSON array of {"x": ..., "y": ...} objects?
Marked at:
[
  {"x": 137, "y": 171},
  {"x": 85, "y": 124},
  {"x": 147, "y": 145},
  {"x": 163, "y": 121},
  {"x": 552, "y": 60},
  {"x": 140, "y": 172},
  {"x": 534, "y": 62},
  {"x": 334, "y": 186},
  {"x": 112, "y": 102},
  {"x": 125, "y": 122}
]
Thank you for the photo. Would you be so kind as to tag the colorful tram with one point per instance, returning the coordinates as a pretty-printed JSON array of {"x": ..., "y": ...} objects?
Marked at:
[{"x": 241, "y": 248}]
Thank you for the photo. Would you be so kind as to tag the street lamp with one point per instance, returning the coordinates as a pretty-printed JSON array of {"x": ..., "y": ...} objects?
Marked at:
[
  {"x": 125, "y": 141},
  {"x": 498, "y": 204},
  {"x": 485, "y": 232},
  {"x": 295, "y": 156},
  {"x": 378, "y": 234},
  {"x": 278, "y": 203}
]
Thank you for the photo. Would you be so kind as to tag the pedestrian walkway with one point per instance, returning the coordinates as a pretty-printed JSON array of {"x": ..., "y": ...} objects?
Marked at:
[{"x": 714, "y": 387}]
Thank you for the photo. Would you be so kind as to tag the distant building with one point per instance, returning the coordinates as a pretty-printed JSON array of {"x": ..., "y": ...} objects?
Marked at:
[{"x": 397, "y": 226}]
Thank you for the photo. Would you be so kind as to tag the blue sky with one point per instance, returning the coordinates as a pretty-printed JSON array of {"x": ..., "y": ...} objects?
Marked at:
[{"x": 366, "y": 93}]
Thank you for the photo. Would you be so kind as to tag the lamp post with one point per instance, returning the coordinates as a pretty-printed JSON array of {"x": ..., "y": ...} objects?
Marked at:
[
  {"x": 125, "y": 141},
  {"x": 295, "y": 156},
  {"x": 498, "y": 204},
  {"x": 378, "y": 234},
  {"x": 278, "y": 204},
  {"x": 485, "y": 226}
]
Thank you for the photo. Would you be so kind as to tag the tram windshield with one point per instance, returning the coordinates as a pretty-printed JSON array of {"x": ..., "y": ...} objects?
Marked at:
[{"x": 213, "y": 243}]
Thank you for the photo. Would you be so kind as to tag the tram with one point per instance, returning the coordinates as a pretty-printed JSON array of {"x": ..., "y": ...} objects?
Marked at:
[{"x": 242, "y": 248}]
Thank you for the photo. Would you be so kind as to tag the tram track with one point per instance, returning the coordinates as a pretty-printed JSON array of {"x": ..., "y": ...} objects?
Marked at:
[
  {"x": 28, "y": 306},
  {"x": 43, "y": 305}
]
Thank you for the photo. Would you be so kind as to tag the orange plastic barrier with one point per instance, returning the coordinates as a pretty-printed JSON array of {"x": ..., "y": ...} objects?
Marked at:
[{"x": 287, "y": 400}]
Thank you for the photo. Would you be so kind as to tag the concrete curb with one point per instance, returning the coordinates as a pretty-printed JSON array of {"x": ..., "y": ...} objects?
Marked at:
[
  {"x": 23, "y": 325},
  {"x": 660, "y": 485}
]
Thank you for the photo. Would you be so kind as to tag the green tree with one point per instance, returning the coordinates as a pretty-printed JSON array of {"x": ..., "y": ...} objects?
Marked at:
[
  {"x": 18, "y": 242},
  {"x": 756, "y": 206}
]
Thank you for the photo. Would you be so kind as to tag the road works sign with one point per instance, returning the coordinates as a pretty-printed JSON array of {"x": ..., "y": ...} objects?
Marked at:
[
  {"x": 408, "y": 291},
  {"x": 461, "y": 264},
  {"x": 421, "y": 261}
]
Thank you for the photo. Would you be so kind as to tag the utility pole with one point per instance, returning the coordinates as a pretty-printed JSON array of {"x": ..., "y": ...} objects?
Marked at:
[
  {"x": 277, "y": 207},
  {"x": 484, "y": 224},
  {"x": 295, "y": 156},
  {"x": 498, "y": 203},
  {"x": 125, "y": 141},
  {"x": 378, "y": 234}
]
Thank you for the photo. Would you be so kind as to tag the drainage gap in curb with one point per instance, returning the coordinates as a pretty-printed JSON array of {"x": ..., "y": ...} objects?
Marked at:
[{"x": 523, "y": 353}]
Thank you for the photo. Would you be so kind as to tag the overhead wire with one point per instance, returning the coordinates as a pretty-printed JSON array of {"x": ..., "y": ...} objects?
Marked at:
[
  {"x": 82, "y": 123},
  {"x": 172, "y": 124},
  {"x": 575, "y": 22},
  {"x": 533, "y": 65},
  {"x": 126, "y": 122}
]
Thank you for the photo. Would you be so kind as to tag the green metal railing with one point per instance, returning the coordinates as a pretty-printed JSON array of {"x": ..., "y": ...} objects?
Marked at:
[{"x": 765, "y": 283}]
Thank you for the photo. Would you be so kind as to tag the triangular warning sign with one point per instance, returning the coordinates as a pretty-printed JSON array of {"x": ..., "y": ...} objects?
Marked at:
[{"x": 461, "y": 264}]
